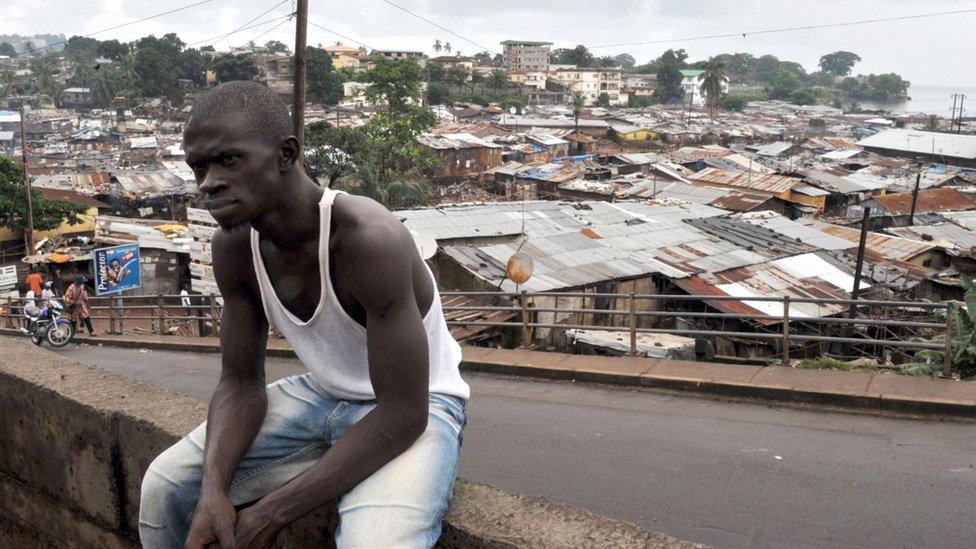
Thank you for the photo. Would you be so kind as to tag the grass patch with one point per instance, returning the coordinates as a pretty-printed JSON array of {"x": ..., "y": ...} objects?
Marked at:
[{"x": 830, "y": 364}]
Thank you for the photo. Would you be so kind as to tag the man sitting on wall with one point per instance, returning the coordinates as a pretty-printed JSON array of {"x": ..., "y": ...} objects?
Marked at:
[{"x": 376, "y": 423}]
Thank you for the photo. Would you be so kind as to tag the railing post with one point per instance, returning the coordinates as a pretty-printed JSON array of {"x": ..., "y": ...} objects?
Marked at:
[
  {"x": 213, "y": 314},
  {"x": 121, "y": 309},
  {"x": 950, "y": 313},
  {"x": 112, "y": 313},
  {"x": 526, "y": 334},
  {"x": 10, "y": 316},
  {"x": 632, "y": 320},
  {"x": 159, "y": 306},
  {"x": 786, "y": 331}
]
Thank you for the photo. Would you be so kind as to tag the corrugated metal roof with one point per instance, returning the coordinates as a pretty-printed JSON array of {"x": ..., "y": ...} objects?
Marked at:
[
  {"x": 945, "y": 235},
  {"x": 945, "y": 199},
  {"x": 919, "y": 142},
  {"x": 966, "y": 220},
  {"x": 158, "y": 183},
  {"x": 807, "y": 275},
  {"x": 767, "y": 183},
  {"x": 740, "y": 202},
  {"x": 753, "y": 237},
  {"x": 454, "y": 141},
  {"x": 797, "y": 231},
  {"x": 891, "y": 247}
]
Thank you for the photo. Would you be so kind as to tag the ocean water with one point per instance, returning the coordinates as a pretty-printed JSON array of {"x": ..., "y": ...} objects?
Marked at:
[{"x": 930, "y": 100}]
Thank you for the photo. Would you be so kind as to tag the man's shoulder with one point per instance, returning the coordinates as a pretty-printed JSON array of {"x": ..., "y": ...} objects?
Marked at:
[
  {"x": 230, "y": 252},
  {"x": 365, "y": 226}
]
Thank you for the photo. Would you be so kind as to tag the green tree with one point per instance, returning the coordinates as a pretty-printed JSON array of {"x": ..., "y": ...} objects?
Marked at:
[
  {"x": 579, "y": 56},
  {"x": 712, "y": 82},
  {"x": 6, "y": 48},
  {"x": 603, "y": 100},
  {"x": 783, "y": 83},
  {"x": 276, "y": 46},
  {"x": 81, "y": 47},
  {"x": 193, "y": 64},
  {"x": 332, "y": 153},
  {"x": 624, "y": 60},
  {"x": 639, "y": 101},
  {"x": 734, "y": 102},
  {"x": 112, "y": 49},
  {"x": 235, "y": 66},
  {"x": 839, "y": 63},
  {"x": 669, "y": 77},
  {"x": 456, "y": 76},
  {"x": 48, "y": 214},
  {"x": 438, "y": 46},
  {"x": 766, "y": 68},
  {"x": 323, "y": 83},
  {"x": 498, "y": 80},
  {"x": 932, "y": 123},
  {"x": 438, "y": 94},
  {"x": 803, "y": 96},
  {"x": 156, "y": 65},
  {"x": 44, "y": 70},
  {"x": 579, "y": 101},
  {"x": 394, "y": 166}
]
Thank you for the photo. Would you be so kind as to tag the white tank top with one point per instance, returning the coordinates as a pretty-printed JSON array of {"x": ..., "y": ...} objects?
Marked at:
[{"x": 333, "y": 346}]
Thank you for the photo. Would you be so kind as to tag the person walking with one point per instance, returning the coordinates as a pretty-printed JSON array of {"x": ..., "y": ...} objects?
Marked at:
[
  {"x": 57, "y": 282},
  {"x": 76, "y": 298}
]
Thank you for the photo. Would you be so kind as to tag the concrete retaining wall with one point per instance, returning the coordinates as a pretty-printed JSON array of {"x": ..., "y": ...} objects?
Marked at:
[{"x": 75, "y": 442}]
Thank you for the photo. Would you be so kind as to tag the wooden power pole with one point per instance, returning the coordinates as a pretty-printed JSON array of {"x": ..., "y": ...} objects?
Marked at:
[
  {"x": 29, "y": 230},
  {"x": 298, "y": 93},
  {"x": 860, "y": 261}
]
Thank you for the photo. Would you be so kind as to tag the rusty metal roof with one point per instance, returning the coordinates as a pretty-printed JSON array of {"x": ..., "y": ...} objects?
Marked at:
[
  {"x": 764, "y": 183},
  {"x": 753, "y": 237},
  {"x": 943, "y": 199},
  {"x": 891, "y": 247}
]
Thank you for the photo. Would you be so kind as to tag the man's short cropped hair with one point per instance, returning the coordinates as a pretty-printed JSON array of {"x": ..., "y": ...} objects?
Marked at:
[{"x": 252, "y": 101}]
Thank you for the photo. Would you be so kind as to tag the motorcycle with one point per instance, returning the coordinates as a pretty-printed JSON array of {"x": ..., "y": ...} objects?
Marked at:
[{"x": 47, "y": 324}]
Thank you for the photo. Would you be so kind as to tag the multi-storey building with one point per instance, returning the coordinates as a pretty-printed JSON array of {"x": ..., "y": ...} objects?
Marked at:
[
  {"x": 526, "y": 55},
  {"x": 592, "y": 82}
]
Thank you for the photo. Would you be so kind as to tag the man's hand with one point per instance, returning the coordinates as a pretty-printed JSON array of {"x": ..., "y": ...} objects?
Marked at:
[
  {"x": 255, "y": 529},
  {"x": 213, "y": 521}
]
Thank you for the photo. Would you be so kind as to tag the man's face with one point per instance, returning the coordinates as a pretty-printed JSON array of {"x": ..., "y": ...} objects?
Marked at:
[
  {"x": 235, "y": 169},
  {"x": 114, "y": 264}
]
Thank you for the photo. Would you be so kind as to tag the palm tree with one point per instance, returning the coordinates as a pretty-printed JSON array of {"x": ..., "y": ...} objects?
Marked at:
[
  {"x": 579, "y": 101},
  {"x": 497, "y": 79},
  {"x": 712, "y": 81},
  {"x": 437, "y": 45},
  {"x": 447, "y": 47}
]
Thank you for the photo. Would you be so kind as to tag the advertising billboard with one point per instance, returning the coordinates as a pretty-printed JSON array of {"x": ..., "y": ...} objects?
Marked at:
[{"x": 117, "y": 269}]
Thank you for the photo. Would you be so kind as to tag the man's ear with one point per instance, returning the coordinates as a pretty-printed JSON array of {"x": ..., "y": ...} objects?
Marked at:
[{"x": 289, "y": 152}]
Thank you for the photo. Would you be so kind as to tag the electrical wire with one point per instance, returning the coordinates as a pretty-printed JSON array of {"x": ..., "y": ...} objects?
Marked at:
[
  {"x": 261, "y": 24},
  {"x": 168, "y": 12},
  {"x": 255, "y": 39},
  {"x": 242, "y": 27},
  {"x": 445, "y": 29},
  {"x": 316, "y": 25},
  {"x": 789, "y": 29}
]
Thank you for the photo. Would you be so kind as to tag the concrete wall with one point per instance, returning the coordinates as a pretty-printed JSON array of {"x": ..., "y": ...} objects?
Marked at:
[{"x": 75, "y": 442}]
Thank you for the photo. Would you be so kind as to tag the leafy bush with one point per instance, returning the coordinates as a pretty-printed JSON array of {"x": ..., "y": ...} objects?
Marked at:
[{"x": 963, "y": 342}]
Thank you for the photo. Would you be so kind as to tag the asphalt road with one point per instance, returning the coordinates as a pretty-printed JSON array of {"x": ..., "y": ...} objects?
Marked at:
[{"x": 728, "y": 474}]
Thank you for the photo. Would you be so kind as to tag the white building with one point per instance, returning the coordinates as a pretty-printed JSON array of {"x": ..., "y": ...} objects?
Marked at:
[
  {"x": 592, "y": 82},
  {"x": 692, "y": 85},
  {"x": 531, "y": 79}
]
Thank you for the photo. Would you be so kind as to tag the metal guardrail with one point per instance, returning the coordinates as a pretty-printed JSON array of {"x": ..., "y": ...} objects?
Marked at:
[{"x": 168, "y": 312}]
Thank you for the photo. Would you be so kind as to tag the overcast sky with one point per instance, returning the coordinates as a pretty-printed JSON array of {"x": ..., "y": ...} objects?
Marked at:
[{"x": 934, "y": 51}]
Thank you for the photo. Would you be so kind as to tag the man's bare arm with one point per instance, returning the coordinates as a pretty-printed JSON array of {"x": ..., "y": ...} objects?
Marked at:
[
  {"x": 398, "y": 368},
  {"x": 239, "y": 402}
]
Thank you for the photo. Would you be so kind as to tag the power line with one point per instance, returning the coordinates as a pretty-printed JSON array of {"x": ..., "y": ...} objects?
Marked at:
[
  {"x": 261, "y": 24},
  {"x": 120, "y": 26},
  {"x": 422, "y": 18},
  {"x": 340, "y": 35},
  {"x": 244, "y": 26},
  {"x": 272, "y": 29},
  {"x": 788, "y": 29}
]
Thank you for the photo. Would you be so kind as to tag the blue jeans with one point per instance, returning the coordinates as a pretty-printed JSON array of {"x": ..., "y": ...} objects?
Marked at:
[{"x": 400, "y": 505}]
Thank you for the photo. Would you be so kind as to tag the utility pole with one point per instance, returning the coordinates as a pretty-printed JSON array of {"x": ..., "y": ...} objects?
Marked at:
[
  {"x": 918, "y": 179},
  {"x": 860, "y": 261},
  {"x": 298, "y": 87},
  {"x": 29, "y": 231},
  {"x": 962, "y": 100},
  {"x": 952, "y": 120}
]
